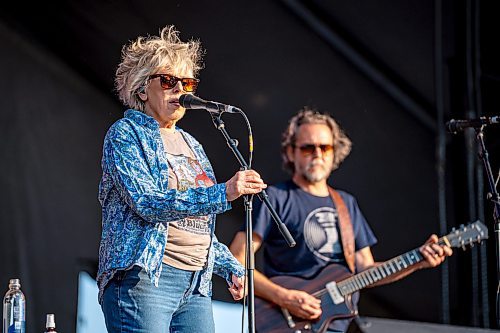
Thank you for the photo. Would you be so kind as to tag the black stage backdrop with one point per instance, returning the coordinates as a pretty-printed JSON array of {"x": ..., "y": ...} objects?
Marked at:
[{"x": 270, "y": 58}]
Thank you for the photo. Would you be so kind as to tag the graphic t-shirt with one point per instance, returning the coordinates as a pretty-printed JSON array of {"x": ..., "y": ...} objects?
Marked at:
[
  {"x": 188, "y": 238},
  {"x": 313, "y": 223}
]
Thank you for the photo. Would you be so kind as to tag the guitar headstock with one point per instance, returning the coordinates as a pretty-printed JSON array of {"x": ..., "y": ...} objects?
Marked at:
[{"x": 467, "y": 235}]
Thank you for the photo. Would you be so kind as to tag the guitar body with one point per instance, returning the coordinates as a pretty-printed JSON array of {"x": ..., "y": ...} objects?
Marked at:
[{"x": 270, "y": 319}]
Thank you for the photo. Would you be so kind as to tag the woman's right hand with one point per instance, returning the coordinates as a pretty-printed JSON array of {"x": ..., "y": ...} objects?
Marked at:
[{"x": 244, "y": 182}]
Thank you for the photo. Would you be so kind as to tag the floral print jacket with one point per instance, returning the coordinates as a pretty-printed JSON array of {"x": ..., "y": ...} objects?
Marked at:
[{"x": 137, "y": 204}]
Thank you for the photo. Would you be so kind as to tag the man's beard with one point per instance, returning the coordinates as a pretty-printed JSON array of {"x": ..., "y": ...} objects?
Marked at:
[{"x": 315, "y": 176}]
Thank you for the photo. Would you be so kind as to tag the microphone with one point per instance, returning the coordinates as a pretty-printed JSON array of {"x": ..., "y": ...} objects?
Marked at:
[
  {"x": 189, "y": 101},
  {"x": 455, "y": 126}
]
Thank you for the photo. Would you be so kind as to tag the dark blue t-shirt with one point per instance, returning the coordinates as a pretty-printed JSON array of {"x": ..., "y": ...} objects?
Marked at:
[{"x": 312, "y": 222}]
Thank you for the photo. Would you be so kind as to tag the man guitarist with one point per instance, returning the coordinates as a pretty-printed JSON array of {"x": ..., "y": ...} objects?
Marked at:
[{"x": 327, "y": 225}]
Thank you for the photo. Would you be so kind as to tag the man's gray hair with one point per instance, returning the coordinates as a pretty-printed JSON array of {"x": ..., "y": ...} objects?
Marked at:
[{"x": 341, "y": 143}]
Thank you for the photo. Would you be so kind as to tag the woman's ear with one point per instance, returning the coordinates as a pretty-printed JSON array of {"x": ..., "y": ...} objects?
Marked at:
[{"x": 142, "y": 93}]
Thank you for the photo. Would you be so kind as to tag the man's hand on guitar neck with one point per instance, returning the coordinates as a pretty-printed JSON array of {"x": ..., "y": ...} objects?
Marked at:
[
  {"x": 434, "y": 253},
  {"x": 299, "y": 303}
]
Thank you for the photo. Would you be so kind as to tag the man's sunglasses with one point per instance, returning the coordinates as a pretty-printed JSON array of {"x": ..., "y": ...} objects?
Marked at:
[
  {"x": 309, "y": 149},
  {"x": 169, "y": 81}
]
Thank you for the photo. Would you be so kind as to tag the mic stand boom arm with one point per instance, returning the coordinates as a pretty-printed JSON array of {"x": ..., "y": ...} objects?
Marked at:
[
  {"x": 250, "y": 258},
  {"x": 219, "y": 124}
]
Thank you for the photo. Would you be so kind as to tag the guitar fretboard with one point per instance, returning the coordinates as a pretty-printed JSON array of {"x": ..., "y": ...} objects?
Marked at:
[
  {"x": 377, "y": 273},
  {"x": 399, "y": 263}
]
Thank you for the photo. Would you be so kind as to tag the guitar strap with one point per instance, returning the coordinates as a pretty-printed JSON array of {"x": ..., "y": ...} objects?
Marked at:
[{"x": 346, "y": 230}]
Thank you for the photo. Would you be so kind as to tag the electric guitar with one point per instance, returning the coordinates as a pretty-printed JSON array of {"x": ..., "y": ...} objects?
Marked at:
[{"x": 338, "y": 288}]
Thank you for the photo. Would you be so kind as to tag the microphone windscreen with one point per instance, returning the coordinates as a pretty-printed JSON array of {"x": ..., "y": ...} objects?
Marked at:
[
  {"x": 451, "y": 126},
  {"x": 189, "y": 101},
  {"x": 185, "y": 101}
]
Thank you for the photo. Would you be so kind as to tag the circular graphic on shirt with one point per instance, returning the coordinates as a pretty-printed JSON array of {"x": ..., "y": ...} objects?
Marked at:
[{"x": 321, "y": 235}]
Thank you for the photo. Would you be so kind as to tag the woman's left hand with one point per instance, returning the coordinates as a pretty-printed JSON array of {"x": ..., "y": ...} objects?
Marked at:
[
  {"x": 237, "y": 289},
  {"x": 244, "y": 182}
]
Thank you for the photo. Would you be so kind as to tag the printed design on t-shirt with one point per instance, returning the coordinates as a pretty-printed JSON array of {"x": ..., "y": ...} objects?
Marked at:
[
  {"x": 190, "y": 174},
  {"x": 321, "y": 235}
]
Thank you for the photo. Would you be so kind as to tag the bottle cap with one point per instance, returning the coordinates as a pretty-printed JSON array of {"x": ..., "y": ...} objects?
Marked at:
[
  {"x": 51, "y": 321},
  {"x": 14, "y": 283}
]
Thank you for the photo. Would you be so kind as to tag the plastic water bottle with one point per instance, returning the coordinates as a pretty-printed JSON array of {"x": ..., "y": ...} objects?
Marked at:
[
  {"x": 14, "y": 309},
  {"x": 50, "y": 326}
]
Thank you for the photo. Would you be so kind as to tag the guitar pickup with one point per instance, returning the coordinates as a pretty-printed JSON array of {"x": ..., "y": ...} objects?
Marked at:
[{"x": 334, "y": 292}]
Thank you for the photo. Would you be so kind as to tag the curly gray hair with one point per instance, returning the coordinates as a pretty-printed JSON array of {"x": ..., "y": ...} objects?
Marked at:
[
  {"x": 147, "y": 55},
  {"x": 341, "y": 143}
]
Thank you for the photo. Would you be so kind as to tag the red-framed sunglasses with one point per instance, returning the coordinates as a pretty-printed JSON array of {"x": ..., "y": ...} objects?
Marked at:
[{"x": 168, "y": 81}]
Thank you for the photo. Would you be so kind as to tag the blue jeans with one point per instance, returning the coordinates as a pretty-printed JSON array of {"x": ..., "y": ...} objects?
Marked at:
[{"x": 131, "y": 303}]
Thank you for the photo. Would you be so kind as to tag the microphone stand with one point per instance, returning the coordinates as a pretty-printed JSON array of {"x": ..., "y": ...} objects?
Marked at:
[
  {"x": 494, "y": 197},
  {"x": 250, "y": 257}
]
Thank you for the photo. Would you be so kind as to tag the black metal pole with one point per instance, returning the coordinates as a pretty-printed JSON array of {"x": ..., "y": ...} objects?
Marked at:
[
  {"x": 250, "y": 257},
  {"x": 472, "y": 166},
  {"x": 495, "y": 198},
  {"x": 483, "y": 254},
  {"x": 441, "y": 153},
  {"x": 250, "y": 264}
]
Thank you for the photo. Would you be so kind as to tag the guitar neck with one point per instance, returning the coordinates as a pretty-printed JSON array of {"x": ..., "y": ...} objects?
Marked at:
[{"x": 379, "y": 272}]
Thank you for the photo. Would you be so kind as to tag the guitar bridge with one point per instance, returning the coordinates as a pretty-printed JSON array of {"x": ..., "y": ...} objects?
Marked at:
[{"x": 334, "y": 292}]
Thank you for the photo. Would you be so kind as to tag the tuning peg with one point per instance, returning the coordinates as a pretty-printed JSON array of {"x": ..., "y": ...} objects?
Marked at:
[{"x": 478, "y": 239}]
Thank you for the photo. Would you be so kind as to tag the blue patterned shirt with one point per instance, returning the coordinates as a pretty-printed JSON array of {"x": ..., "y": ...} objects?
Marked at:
[{"x": 137, "y": 204}]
